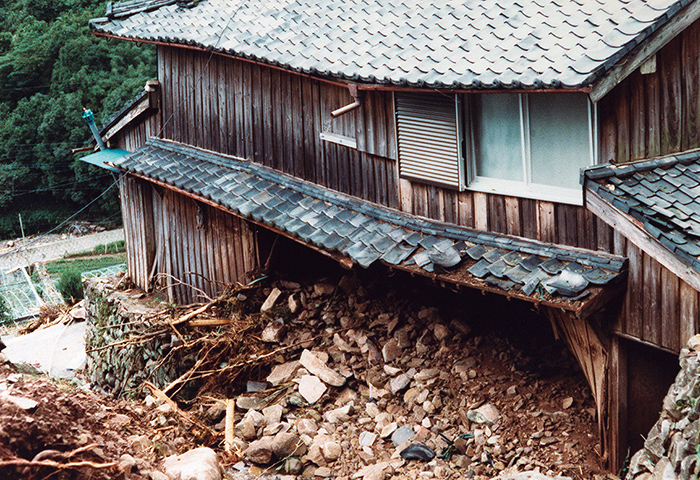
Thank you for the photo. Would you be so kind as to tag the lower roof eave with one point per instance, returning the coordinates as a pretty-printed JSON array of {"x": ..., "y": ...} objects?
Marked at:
[{"x": 356, "y": 232}]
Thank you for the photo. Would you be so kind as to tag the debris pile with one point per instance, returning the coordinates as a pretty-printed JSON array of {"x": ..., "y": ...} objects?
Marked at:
[{"x": 333, "y": 379}]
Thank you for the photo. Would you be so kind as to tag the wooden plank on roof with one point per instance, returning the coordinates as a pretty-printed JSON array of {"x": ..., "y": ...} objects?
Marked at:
[
  {"x": 651, "y": 320},
  {"x": 465, "y": 209},
  {"x": 635, "y": 296},
  {"x": 638, "y": 125},
  {"x": 622, "y": 117},
  {"x": 547, "y": 223},
  {"x": 653, "y": 102},
  {"x": 512, "y": 206},
  {"x": 690, "y": 62},
  {"x": 481, "y": 219},
  {"x": 651, "y": 45}
]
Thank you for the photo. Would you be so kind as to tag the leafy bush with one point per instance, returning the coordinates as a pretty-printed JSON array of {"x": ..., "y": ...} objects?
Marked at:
[
  {"x": 5, "y": 315},
  {"x": 70, "y": 285}
]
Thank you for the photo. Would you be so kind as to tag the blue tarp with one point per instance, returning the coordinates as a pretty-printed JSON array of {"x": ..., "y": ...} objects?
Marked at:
[{"x": 100, "y": 158}]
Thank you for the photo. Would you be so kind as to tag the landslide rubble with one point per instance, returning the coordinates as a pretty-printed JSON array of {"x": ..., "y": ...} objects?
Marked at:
[{"x": 344, "y": 378}]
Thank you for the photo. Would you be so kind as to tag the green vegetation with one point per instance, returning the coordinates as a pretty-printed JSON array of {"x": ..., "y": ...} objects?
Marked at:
[
  {"x": 5, "y": 316},
  {"x": 51, "y": 66},
  {"x": 57, "y": 268},
  {"x": 70, "y": 285},
  {"x": 115, "y": 247}
]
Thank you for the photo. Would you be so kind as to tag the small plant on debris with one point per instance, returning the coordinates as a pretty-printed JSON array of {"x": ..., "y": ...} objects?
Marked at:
[
  {"x": 70, "y": 285},
  {"x": 5, "y": 315}
]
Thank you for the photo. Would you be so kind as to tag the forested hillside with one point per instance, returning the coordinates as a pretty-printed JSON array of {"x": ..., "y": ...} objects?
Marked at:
[{"x": 50, "y": 68}]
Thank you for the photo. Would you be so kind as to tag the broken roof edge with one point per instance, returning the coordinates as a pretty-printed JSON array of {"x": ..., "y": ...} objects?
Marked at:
[
  {"x": 353, "y": 231},
  {"x": 394, "y": 216},
  {"x": 621, "y": 170},
  {"x": 602, "y": 204}
]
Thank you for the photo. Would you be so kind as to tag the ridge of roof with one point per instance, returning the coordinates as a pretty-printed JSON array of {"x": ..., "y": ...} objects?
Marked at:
[
  {"x": 367, "y": 233},
  {"x": 461, "y": 44}
]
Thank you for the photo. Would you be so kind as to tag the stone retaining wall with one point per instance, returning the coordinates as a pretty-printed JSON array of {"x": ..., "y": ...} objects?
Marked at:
[
  {"x": 671, "y": 449},
  {"x": 117, "y": 316}
]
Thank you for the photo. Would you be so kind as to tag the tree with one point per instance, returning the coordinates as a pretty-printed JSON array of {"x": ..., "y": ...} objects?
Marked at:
[{"x": 50, "y": 68}]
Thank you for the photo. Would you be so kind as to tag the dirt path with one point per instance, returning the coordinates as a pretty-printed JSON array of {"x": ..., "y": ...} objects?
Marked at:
[{"x": 43, "y": 249}]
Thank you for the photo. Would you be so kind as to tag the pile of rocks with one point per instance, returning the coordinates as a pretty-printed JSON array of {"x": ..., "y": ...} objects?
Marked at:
[
  {"x": 672, "y": 448},
  {"x": 377, "y": 376},
  {"x": 360, "y": 374}
]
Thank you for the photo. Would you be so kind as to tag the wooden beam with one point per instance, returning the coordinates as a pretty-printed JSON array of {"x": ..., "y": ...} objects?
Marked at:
[
  {"x": 635, "y": 233},
  {"x": 129, "y": 116},
  {"x": 648, "y": 47}
]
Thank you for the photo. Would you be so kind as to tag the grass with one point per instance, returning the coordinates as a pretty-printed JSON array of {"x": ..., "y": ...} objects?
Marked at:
[
  {"x": 83, "y": 263},
  {"x": 115, "y": 247}
]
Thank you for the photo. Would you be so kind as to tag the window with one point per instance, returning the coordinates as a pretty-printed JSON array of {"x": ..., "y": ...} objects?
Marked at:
[{"x": 527, "y": 145}]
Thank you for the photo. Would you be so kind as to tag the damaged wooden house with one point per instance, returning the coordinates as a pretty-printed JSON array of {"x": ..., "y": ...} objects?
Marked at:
[{"x": 543, "y": 151}]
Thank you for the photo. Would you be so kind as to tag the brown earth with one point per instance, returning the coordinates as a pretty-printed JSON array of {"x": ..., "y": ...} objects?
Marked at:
[{"x": 468, "y": 351}]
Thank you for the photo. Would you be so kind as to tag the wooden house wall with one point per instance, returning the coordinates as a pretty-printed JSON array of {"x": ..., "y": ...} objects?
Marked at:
[
  {"x": 274, "y": 118},
  {"x": 189, "y": 247},
  {"x": 135, "y": 134},
  {"x": 656, "y": 113},
  {"x": 659, "y": 309}
]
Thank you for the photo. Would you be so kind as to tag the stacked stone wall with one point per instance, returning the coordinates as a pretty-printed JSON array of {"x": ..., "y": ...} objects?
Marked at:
[
  {"x": 125, "y": 343},
  {"x": 671, "y": 449}
]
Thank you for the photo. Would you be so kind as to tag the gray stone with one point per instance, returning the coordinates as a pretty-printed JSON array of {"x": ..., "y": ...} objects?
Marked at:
[
  {"x": 259, "y": 451},
  {"x": 391, "y": 350},
  {"x": 366, "y": 439},
  {"x": 321, "y": 289},
  {"x": 285, "y": 444},
  {"x": 273, "y": 414},
  {"x": 306, "y": 426},
  {"x": 440, "y": 332},
  {"x": 331, "y": 450},
  {"x": 283, "y": 373},
  {"x": 247, "y": 403},
  {"x": 485, "y": 414},
  {"x": 26, "y": 404},
  {"x": 126, "y": 463},
  {"x": 274, "y": 332},
  {"x": 198, "y": 464},
  {"x": 314, "y": 365},
  {"x": 341, "y": 414},
  {"x": 311, "y": 388},
  {"x": 398, "y": 383},
  {"x": 402, "y": 435},
  {"x": 271, "y": 299}
]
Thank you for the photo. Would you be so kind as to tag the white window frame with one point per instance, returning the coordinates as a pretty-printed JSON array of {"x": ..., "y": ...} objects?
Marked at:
[{"x": 526, "y": 188}]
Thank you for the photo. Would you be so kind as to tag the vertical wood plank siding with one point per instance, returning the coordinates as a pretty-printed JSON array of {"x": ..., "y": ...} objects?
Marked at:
[
  {"x": 657, "y": 113},
  {"x": 659, "y": 308},
  {"x": 274, "y": 118},
  {"x": 189, "y": 243}
]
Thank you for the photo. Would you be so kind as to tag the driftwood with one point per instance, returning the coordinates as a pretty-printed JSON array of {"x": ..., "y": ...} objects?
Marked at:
[{"x": 40, "y": 460}]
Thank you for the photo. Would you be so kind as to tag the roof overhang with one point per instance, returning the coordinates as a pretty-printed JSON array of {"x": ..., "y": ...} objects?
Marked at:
[{"x": 356, "y": 232}]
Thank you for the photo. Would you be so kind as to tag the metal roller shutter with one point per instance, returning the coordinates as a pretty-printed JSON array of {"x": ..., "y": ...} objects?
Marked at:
[{"x": 429, "y": 139}]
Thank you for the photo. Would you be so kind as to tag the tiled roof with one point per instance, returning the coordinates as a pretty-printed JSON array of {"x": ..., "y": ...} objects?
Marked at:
[
  {"x": 663, "y": 194},
  {"x": 367, "y": 233},
  {"x": 439, "y": 44}
]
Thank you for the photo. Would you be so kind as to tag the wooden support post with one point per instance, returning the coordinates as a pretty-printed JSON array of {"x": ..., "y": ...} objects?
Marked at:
[{"x": 617, "y": 403}]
